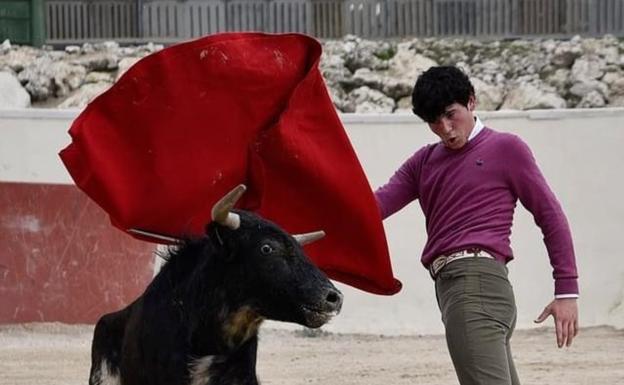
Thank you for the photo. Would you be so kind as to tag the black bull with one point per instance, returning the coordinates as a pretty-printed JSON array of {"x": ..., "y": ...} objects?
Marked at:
[{"x": 197, "y": 322}]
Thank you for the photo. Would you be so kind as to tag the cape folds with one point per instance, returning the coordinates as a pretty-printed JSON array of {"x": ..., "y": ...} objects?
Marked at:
[{"x": 185, "y": 125}]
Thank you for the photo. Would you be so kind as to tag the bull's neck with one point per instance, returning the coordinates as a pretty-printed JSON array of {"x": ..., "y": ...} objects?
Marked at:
[
  {"x": 207, "y": 301},
  {"x": 222, "y": 327}
]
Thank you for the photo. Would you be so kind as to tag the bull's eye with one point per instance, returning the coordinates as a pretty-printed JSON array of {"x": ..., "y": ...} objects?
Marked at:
[{"x": 266, "y": 249}]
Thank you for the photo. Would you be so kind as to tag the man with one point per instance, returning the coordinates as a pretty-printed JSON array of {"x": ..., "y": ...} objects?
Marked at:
[{"x": 467, "y": 186}]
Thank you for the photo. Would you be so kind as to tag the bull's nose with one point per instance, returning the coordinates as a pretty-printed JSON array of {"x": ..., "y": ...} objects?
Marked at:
[{"x": 333, "y": 300}]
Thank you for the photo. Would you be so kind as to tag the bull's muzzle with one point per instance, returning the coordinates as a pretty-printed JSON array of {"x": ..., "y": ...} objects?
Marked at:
[{"x": 320, "y": 313}]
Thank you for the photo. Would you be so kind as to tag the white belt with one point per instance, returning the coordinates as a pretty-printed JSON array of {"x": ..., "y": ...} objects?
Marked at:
[{"x": 443, "y": 260}]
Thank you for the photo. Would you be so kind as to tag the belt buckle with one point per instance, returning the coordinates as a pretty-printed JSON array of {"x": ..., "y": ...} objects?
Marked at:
[{"x": 437, "y": 265}]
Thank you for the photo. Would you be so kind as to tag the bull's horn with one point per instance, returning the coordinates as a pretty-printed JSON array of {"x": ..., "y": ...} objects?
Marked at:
[
  {"x": 304, "y": 239},
  {"x": 221, "y": 210}
]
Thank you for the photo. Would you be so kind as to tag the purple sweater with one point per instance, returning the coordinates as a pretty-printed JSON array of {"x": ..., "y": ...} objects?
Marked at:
[{"x": 469, "y": 195}]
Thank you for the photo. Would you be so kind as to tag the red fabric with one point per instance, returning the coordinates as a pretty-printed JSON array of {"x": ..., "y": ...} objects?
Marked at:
[{"x": 185, "y": 125}]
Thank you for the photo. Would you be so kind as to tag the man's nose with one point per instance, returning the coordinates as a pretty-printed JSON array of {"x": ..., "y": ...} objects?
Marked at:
[{"x": 444, "y": 125}]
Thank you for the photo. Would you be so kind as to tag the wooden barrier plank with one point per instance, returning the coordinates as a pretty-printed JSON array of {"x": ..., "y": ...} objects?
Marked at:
[{"x": 171, "y": 20}]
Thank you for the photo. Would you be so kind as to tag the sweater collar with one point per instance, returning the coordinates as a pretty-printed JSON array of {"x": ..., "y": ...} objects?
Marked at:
[{"x": 476, "y": 129}]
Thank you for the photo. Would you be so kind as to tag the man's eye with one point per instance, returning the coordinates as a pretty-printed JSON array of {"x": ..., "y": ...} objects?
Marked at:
[{"x": 266, "y": 249}]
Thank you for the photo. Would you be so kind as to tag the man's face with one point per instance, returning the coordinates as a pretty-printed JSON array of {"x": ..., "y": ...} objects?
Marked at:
[{"x": 455, "y": 124}]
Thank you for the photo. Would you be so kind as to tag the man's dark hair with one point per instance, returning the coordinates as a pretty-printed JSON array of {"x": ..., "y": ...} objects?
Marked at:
[{"x": 437, "y": 88}]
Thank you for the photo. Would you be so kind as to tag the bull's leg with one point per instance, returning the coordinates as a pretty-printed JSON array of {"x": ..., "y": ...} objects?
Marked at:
[{"x": 106, "y": 349}]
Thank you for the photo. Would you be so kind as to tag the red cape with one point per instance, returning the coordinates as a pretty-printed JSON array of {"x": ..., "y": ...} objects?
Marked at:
[{"x": 185, "y": 125}]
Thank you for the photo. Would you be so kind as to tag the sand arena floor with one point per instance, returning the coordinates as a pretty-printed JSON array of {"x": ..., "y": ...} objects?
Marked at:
[{"x": 56, "y": 354}]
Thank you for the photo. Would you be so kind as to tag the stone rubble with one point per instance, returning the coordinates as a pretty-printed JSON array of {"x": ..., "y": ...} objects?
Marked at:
[{"x": 362, "y": 76}]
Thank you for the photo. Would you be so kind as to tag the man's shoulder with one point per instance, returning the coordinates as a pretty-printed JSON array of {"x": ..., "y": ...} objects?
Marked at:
[
  {"x": 421, "y": 156},
  {"x": 504, "y": 138},
  {"x": 510, "y": 146},
  {"x": 425, "y": 151}
]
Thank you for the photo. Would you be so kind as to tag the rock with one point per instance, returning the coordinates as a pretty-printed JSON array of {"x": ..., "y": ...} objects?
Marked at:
[
  {"x": 97, "y": 77},
  {"x": 368, "y": 100},
  {"x": 36, "y": 79},
  {"x": 592, "y": 100},
  {"x": 333, "y": 67},
  {"x": 560, "y": 79},
  {"x": 617, "y": 87},
  {"x": 366, "y": 77},
  {"x": 341, "y": 102},
  {"x": 46, "y": 78},
  {"x": 611, "y": 77},
  {"x": 617, "y": 101},
  {"x": 581, "y": 89},
  {"x": 489, "y": 97},
  {"x": 106, "y": 46},
  {"x": 397, "y": 88},
  {"x": 405, "y": 104},
  {"x": 489, "y": 67},
  {"x": 363, "y": 55},
  {"x": 527, "y": 96},
  {"x": 565, "y": 54},
  {"x": 12, "y": 94},
  {"x": 125, "y": 64},
  {"x": 87, "y": 48},
  {"x": 84, "y": 95},
  {"x": 151, "y": 47},
  {"x": 5, "y": 46},
  {"x": 587, "y": 67},
  {"x": 408, "y": 64},
  {"x": 97, "y": 61},
  {"x": 591, "y": 46},
  {"x": 72, "y": 49},
  {"x": 611, "y": 55},
  {"x": 336, "y": 75},
  {"x": 17, "y": 59}
]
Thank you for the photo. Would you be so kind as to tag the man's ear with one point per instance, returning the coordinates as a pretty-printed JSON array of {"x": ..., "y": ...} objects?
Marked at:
[{"x": 472, "y": 103}]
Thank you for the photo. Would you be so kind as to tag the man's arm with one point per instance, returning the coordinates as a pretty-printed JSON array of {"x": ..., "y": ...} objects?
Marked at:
[
  {"x": 401, "y": 189},
  {"x": 533, "y": 192}
]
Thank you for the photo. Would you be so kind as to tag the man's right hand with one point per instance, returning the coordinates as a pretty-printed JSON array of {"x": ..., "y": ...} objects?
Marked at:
[{"x": 565, "y": 313}]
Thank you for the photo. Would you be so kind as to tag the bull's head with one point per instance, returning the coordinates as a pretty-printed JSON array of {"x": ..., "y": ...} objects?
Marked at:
[{"x": 280, "y": 282}]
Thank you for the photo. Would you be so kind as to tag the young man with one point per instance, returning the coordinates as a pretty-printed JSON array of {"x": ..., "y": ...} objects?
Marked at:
[{"x": 467, "y": 185}]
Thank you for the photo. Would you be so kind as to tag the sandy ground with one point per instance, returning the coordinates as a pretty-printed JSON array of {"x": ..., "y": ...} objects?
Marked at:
[{"x": 55, "y": 354}]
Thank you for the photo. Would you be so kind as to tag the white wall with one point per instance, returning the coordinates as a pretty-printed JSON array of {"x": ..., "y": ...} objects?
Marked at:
[
  {"x": 580, "y": 152},
  {"x": 29, "y": 144}
]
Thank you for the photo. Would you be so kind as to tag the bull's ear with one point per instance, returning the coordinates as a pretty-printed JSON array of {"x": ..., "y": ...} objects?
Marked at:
[
  {"x": 226, "y": 249},
  {"x": 230, "y": 250},
  {"x": 209, "y": 228}
]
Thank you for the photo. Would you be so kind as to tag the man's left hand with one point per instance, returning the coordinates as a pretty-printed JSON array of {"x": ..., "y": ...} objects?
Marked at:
[{"x": 565, "y": 313}]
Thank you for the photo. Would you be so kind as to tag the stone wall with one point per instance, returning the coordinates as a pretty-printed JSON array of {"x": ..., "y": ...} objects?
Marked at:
[{"x": 362, "y": 75}]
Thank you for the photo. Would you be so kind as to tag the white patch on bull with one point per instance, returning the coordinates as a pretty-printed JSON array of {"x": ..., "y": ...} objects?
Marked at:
[
  {"x": 105, "y": 375},
  {"x": 199, "y": 370}
]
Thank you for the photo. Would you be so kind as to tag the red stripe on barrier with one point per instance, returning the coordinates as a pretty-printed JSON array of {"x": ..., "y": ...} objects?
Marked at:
[{"x": 61, "y": 259}]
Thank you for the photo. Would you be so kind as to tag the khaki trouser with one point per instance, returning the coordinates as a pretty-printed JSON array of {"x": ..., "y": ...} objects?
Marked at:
[{"x": 479, "y": 314}]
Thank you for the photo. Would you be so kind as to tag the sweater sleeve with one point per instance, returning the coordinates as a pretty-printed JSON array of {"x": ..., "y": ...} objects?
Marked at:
[
  {"x": 531, "y": 188},
  {"x": 401, "y": 189}
]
